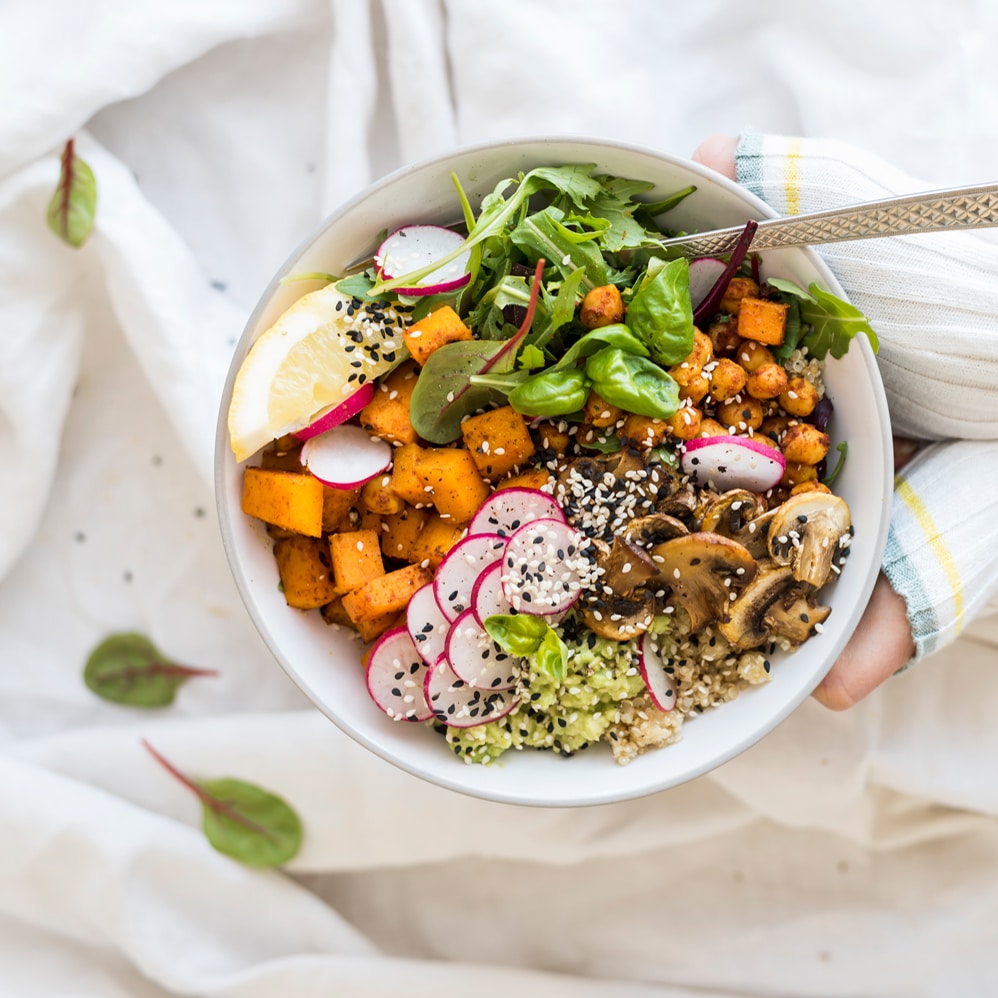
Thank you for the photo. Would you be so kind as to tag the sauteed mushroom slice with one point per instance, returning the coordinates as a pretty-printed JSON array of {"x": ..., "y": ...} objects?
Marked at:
[
  {"x": 618, "y": 617},
  {"x": 625, "y": 566},
  {"x": 648, "y": 531},
  {"x": 808, "y": 532},
  {"x": 742, "y": 516},
  {"x": 705, "y": 572},
  {"x": 773, "y": 605}
]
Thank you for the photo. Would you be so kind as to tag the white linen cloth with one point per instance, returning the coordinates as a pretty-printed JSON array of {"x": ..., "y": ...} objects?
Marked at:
[{"x": 843, "y": 855}]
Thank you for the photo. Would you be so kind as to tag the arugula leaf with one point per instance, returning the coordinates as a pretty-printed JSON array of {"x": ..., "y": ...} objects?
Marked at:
[
  {"x": 543, "y": 235},
  {"x": 73, "y": 207},
  {"x": 829, "y": 479},
  {"x": 128, "y": 668},
  {"x": 660, "y": 313},
  {"x": 531, "y": 358}
]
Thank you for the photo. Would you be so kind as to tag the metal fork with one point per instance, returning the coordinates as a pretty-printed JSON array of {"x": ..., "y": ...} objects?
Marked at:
[{"x": 932, "y": 211}]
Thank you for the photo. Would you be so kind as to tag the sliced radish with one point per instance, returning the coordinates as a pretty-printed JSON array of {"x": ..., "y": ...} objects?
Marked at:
[
  {"x": 458, "y": 705},
  {"x": 460, "y": 568},
  {"x": 487, "y": 597},
  {"x": 544, "y": 565},
  {"x": 507, "y": 510},
  {"x": 724, "y": 463},
  {"x": 346, "y": 456},
  {"x": 661, "y": 686},
  {"x": 396, "y": 676},
  {"x": 477, "y": 659},
  {"x": 347, "y": 409},
  {"x": 415, "y": 247},
  {"x": 427, "y": 626},
  {"x": 705, "y": 272}
]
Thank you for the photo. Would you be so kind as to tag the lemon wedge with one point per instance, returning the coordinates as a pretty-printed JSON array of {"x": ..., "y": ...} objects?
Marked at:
[{"x": 319, "y": 352}]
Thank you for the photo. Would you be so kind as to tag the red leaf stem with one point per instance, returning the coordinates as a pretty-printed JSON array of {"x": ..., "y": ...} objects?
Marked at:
[
  {"x": 66, "y": 186},
  {"x": 514, "y": 341},
  {"x": 712, "y": 302}
]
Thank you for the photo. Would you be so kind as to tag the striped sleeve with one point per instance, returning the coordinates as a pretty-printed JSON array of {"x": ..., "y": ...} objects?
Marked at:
[{"x": 934, "y": 303}]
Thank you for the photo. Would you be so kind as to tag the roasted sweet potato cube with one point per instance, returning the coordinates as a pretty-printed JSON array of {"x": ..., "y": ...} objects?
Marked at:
[
  {"x": 452, "y": 482},
  {"x": 536, "y": 478},
  {"x": 762, "y": 321},
  {"x": 387, "y": 414},
  {"x": 441, "y": 326},
  {"x": 374, "y": 628},
  {"x": 405, "y": 481},
  {"x": 386, "y": 594},
  {"x": 498, "y": 441},
  {"x": 378, "y": 496},
  {"x": 285, "y": 499},
  {"x": 399, "y": 540},
  {"x": 333, "y": 613},
  {"x": 356, "y": 556},
  {"x": 303, "y": 564},
  {"x": 436, "y": 538},
  {"x": 336, "y": 506}
]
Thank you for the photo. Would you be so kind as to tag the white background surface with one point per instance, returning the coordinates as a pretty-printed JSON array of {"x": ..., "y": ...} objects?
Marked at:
[{"x": 845, "y": 855}]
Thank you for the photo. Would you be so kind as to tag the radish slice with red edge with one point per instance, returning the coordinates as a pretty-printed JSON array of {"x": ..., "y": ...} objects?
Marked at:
[
  {"x": 426, "y": 624},
  {"x": 487, "y": 597},
  {"x": 341, "y": 413},
  {"x": 396, "y": 677},
  {"x": 414, "y": 247},
  {"x": 505, "y": 511},
  {"x": 461, "y": 566},
  {"x": 660, "y": 684},
  {"x": 346, "y": 456},
  {"x": 705, "y": 272},
  {"x": 544, "y": 565},
  {"x": 458, "y": 705},
  {"x": 723, "y": 463},
  {"x": 477, "y": 659}
]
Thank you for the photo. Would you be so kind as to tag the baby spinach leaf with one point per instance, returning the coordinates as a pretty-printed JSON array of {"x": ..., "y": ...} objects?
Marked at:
[
  {"x": 551, "y": 656},
  {"x": 633, "y": 383},
  {"x": 660, "y": 313},
  {"x": 530, "y": 637},
  {"x": 616, "y": 335},
  {"x": 242, "y": 820},
  {"x": 128, "y": 668},
  {"x": 551, "y": 393},
  {"x": 73, "y": 207}
]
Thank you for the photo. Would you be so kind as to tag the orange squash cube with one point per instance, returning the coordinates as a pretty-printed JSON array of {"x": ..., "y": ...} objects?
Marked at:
[
  {"x": 441, "y": 326},
  {"x": 284, "y": 498},
  {"x": 762, "y": 321}
]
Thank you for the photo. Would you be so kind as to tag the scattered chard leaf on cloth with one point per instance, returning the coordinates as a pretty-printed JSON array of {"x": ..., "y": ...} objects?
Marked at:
[
  {"x": 73, "y": 207},
  {"x": 128, "y": 668},
  {"x": 242, "y": 820}
]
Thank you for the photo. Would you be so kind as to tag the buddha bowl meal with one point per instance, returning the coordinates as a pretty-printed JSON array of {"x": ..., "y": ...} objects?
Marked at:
[{"x": 551, "y": 490}]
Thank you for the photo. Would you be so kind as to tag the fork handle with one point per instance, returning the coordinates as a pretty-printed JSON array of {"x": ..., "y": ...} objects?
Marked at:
[{"x": 954, "y": 208}]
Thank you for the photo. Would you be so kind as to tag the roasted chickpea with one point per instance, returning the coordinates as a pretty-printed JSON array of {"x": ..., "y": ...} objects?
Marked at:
[
  {"x": 727, "y": 379},
  {"x": 766, "y": 381},
  {"x": 602, "y": 306},
  {"x": 691, "y": 366},
  {"x": 765, "y": 441},
  {"x": 800, "y": 398},
  {"x": 740, "y": 413},
  {"x": 724, "y": 337},
  {"x": 644, "y": 431},
  {"x": 805, "y": 444},
  {"x": 696, "y": 390},
  {"x": 796, "y": 473},
  {"x": 601, "y": 413},
  {"x": 737, "y": 289},
  {"x": 550, "y": 436},
  {"x": 685, "y": 423},
  {"x": 775, "y": 426},
  {"x": 812, "y": 486},
  {"x": 752, "y": 355},
  {"x": 712, "y": 428}
]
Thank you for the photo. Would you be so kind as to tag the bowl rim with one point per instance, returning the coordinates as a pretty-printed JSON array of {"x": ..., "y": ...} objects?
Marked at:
[{"x": 222, "y": 455}]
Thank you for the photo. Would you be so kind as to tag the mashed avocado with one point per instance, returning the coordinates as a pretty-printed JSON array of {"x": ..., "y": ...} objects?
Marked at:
[{"x": 565, "y": 716}]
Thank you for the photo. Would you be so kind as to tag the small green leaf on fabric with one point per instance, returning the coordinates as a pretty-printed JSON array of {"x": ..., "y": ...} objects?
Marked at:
[
  {"x": 128, "y": 668},
  {"x": 73, "y": 207},
  {"x": 241, "y": 820}
]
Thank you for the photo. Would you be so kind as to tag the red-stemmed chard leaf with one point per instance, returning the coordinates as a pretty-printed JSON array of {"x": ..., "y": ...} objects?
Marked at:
[
  {"x": 240, "y": 819},
  {"x": 709, "y": 306},
  {"x": 73, "y": 206}
]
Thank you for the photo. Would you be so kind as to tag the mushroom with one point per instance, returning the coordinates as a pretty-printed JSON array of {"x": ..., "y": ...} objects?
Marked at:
[
  {"x": 648, "y": 531},
  {"x": 806, "y": 532},
  {"x": 682, "y": 505},
  {"x": 619, "y": 617},
  {"x": 625, "y": 566},
  {"x": 705, "y": 572},
  {"x": 742, "y": 516},
  {"x": 772, "y": 606}
]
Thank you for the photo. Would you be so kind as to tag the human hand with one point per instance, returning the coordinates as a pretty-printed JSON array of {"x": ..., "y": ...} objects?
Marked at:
[{"x": 882, "y": 642}]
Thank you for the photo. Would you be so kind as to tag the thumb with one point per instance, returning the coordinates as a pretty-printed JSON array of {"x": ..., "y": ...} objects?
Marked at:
[{"x": 718, "y": 153}]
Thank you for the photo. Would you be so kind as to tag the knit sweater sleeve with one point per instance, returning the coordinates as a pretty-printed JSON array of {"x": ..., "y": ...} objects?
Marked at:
[{"x": 933, "y": 301}]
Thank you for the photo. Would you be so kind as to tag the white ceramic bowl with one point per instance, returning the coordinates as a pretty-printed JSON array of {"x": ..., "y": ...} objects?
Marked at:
[{"x": 324, "y": 661}]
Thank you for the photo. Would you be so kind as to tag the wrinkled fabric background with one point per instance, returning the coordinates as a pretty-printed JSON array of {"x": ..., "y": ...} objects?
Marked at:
[{"x": 847, "y": 854}]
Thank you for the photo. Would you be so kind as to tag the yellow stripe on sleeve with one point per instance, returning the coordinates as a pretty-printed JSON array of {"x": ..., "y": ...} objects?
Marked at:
[
  {"x": 923, "y": 518},
  {"x": 791, "y": 182}
]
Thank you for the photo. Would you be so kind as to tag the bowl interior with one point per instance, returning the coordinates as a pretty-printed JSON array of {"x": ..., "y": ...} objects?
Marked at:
[{"x": 324, "y": 661}]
